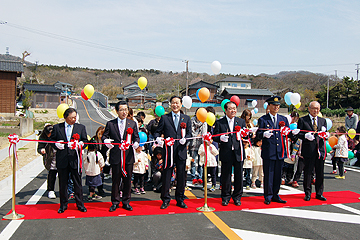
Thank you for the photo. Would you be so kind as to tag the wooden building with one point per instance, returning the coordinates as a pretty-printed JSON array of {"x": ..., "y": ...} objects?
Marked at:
[{"x": 45, "y": 96}]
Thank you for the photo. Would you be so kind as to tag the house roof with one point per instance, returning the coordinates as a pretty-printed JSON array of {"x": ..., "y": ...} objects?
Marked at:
[
  {"x": 136, "y": 94},
  {"x": 253, "y": 92},
  {"x": 62, "y": 84},
  {"x": 11, "y": 66},
  {"x": 41, "y": 88},
  {"x": 200, "y": 84},
  {"x": 132, "y": 86},
  {"x": 234, "y": 79}
]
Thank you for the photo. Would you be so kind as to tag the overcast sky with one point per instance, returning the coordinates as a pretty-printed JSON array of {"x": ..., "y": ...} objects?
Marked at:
[{"x": 247, "y": 37}]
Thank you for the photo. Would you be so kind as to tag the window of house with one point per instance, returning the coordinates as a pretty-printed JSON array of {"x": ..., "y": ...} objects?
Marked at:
[
  {"x": 243, "y": 85},
  {"x": 229, "y": 84},
  {"x": 234, "y": 85}
]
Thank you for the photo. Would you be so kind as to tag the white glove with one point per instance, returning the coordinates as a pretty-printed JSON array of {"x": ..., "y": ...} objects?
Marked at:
[
  {"x": 182, "y": 141},
  {"x": 295, "y": 131},
  {"x": 160, "y": 140},
  {"x": 81, "y": 143},
  {"x": 224, "y": 138},
  {"x": 108, "y": 143},
  {"x": 323, "y": 129},
  {"x": 60, "y": 145},
  {"x": 135, "y": 145},
  {"x": 268, "y": 133},
  {"x": 309, "y": 136},
  {"x": 253, "y": 129}
]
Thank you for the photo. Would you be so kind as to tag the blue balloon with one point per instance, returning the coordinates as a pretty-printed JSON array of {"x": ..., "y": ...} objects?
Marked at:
[
  {"x": 328, "y": 124},
  {"x": 255, "y": 121},
  {"x": 256, "y": 110},
  {"x": 265, "y": 105},
  {"x": 287, "y": 98},
  {"x": 197, "y": 94},
  {"x": 293, "y": 126},
  {"x": 143, "y": 138}
]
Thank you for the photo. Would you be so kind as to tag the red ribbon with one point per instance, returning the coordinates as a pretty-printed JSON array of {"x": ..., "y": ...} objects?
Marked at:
[
  {"x": 324, "y": 135},
  {"x": 13, "y": 139},
  {"x": 207, "y": 140},
  {"x": 123, "y": 147},
  {"x": 285, "y": 132},
  {"x": 169, "y": 142}
]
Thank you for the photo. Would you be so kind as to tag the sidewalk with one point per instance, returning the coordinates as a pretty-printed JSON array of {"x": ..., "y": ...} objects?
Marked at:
[{"x": 4, "y": 153}]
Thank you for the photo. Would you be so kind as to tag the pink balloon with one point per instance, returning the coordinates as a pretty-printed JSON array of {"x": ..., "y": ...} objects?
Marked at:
[{"x": 235, "y": 99}]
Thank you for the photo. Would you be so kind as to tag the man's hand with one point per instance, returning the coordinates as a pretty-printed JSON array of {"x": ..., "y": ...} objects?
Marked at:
[
  {"x": 295, "y": 131},
  {"x": 268, "y": 134},
  {"x": 43, "y": 151},
  {"x": 309, "y": 136},
  {"x": 253, "y": 129},
  {"x": 182, "y": 141},
  {"x": 224, "y": 138},
  {"x": 108, "y": 143},
  {"x": 160, "y": 140},
  {"x": 60, "y": 145},
  {"x": 135, "y": 145}
]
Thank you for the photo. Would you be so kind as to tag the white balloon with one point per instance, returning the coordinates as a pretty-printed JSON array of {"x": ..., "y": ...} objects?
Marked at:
[
  {"x": 216, "y": 67},
  {"x": 295, "y": 98},
  {"x": 252, "y": 112},
  {"x": 187, "y": 102},
  {"x": 254, "y": 103}
]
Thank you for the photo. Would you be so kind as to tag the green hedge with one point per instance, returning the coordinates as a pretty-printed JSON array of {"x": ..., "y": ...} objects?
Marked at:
[{"x": 337, "y": 112}]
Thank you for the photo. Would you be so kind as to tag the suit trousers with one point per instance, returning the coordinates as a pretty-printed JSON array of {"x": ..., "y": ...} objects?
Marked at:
[
  {"x": 63, "y": 186},
  {"x": 272, "y": 178},
  {"x": 115, "y": 187},
  {"x": 226, "y": 172},
  {"x": 310, "y": 163},
  {"x": 180, "y": 182}
]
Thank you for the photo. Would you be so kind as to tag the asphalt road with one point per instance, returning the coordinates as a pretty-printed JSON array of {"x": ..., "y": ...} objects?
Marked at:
[{"x": 339, "y": 221}]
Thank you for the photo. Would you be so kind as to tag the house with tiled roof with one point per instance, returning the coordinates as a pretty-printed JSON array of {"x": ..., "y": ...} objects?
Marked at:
[{"x": 45, "y": 96}]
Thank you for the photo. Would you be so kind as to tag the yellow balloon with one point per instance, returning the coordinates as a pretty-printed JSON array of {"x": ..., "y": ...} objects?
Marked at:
[
  {"x": 142, "y": 82},
  {"x": 210, "y": 118},
  {"x": 298, "y": 105},
  {"x": 89, "y": 90},
  {"x": 61, "y": 109},
  {"x": 352, "y": 133}
]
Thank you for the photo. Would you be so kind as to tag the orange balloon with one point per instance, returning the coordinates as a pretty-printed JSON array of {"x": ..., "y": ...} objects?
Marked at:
[
  {"x": 333, "y": 141},
  {"x": 204, "y": 94},
  {"x": 201, "y": 114}
]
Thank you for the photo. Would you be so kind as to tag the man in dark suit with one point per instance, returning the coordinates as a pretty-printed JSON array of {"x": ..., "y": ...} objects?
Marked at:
[
  {"x": 272, "y": 151},
  {"x": 170, "y": 126},
  {"x": 67, "y": 159},
  {"x": 313, "y": 150},
  {"x": 230, "y": 154},
  {"x": 121, "y": 130}
]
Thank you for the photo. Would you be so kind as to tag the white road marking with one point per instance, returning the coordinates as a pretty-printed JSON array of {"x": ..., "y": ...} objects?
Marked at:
[
  {"x": 10, "y": 229},
  {"x": 347, "y": 208},
  {"x": 245, "y": 235},
  {"x": 39, "y": 193}
]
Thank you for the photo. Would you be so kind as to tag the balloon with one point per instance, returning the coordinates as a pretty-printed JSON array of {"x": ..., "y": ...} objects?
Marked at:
[
  {"x": 235, "y": 99},
  {"x": 210, "y": 118},
  {"x": 201, "y": 114},
  {"x": 187, "y": 102},
  {"x": 328, "y": 123},
  {"x": 255, "y": 122},
  {"x": 287, "y": 98},
  {"x": 223, "y": 104},
  {"x": 142, "y": 82},
  {"x": 61, "y": 109},
  {"x": 197, "y": 94},
  {"x": 328, "y": 147},
  {"x": 254, "y": 103},
  {"x": 89, "y": 90},
  {"x": 159, "y": 110},
  {"x": 351, "y": 155},
  {"x": 293, "y": 126},
  {"x": 204, "y": 94},
  {"x": 265, "y": 105},
  {"x": 333, "y": 141},
  {"x": 298, "y": 105},
  {"x": 252, "y": 112},
  {"x": 352, "y": 133},
  {"x": 84, "y": 95},
  {"x": 215, "y": 67},
  {"x": 295, "y": 98},
  {"x": 143, "y": 138},
  {"x": 256, "y": 110}
]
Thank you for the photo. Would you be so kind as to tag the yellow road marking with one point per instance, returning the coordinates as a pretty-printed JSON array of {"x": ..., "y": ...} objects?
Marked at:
[
  {"x": 189, "y": 195},
  {"x": 225, "y": 229},
  {"x": 88, "y": 113}
]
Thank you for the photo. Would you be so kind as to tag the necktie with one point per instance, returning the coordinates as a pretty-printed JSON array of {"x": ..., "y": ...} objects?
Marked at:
[
  {"x": 176, "y": 121},
  {"x": 68, "y": 133},
  {"x": 274, "y": 120},
  {"x": 315, "y": 125},
  {"x": 121, "y": 128}
]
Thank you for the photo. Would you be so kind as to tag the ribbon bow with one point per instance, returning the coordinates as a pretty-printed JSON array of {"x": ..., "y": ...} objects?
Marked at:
[
  {"x": 169, "y": 142},
  {"x": 284, "y": 131},
  {"x": 244, "y": 132},
  {"x": 73, "y": 144},
  {"x": 324, "y": 135},
  {"x": 207, "y": 137},
  {"x": 13, "y": 139},
  {"x": 124, "y": 145}
]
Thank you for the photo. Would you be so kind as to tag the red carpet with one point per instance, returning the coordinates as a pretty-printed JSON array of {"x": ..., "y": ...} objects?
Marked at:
[{"x": 101, "y": 209}]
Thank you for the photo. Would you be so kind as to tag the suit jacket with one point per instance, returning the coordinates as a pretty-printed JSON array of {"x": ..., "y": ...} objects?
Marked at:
[
  {"x": 272, "y": 148},
  {"x": 222, "y": 126},
  {"x": 310, "y": 148},
  {"x": 67, "y": 157},
  {"x": 166, "y": 126},
  {"x": 112, "y": 131}
]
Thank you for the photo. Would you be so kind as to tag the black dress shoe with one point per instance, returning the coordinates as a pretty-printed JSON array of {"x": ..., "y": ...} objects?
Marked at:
[
  {"x": 225, "y": 203},
  {"x": 237, "y": 203},
  {"x": 307, "y": 198},
  {"x": 279, "y": 200},
  {"x": 82, "y": 209},
  {"x": 321, "y": 197},
  {"x": 127, "y": 207},
  {"x": 181, "y": 204},
  {"x": 113, "y": 207},
  {"x": 164, "y": 205},
  {"x": 62, "y": 209},
  {"x": 267, "y": 202}
]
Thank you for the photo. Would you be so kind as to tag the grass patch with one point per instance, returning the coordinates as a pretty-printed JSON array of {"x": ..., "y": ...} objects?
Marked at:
[
  {"x": 23, "y": 148},
  {"x": 40, "y": 125},
  {"x": 2, "y": 134}
]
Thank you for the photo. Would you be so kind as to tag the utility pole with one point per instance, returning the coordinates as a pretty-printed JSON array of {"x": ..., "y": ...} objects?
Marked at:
[
  {"x": 357, "y": 71},
  {"x": 187, "y": 79}
]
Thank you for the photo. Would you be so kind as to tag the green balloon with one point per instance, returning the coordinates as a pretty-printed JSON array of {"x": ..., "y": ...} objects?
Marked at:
[
  {"x": 351, "y": 155},
  {"x": 328, "y": 147},
  {"x": 223, "y": 104},
  {"x": 159, "y": 110}
]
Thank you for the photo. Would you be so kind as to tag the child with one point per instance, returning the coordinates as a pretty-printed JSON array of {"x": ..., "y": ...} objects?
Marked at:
[
  {"x": 141, "y": 165},
  {"x": 249, "y": 153},
  {"x": 93, "y": 164},
  {"x": 341, "y": 151},
  {"x": 212, "y": 152},
  {"x": 257, "y": 163},
  {"x": 157, "y": 167}
]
